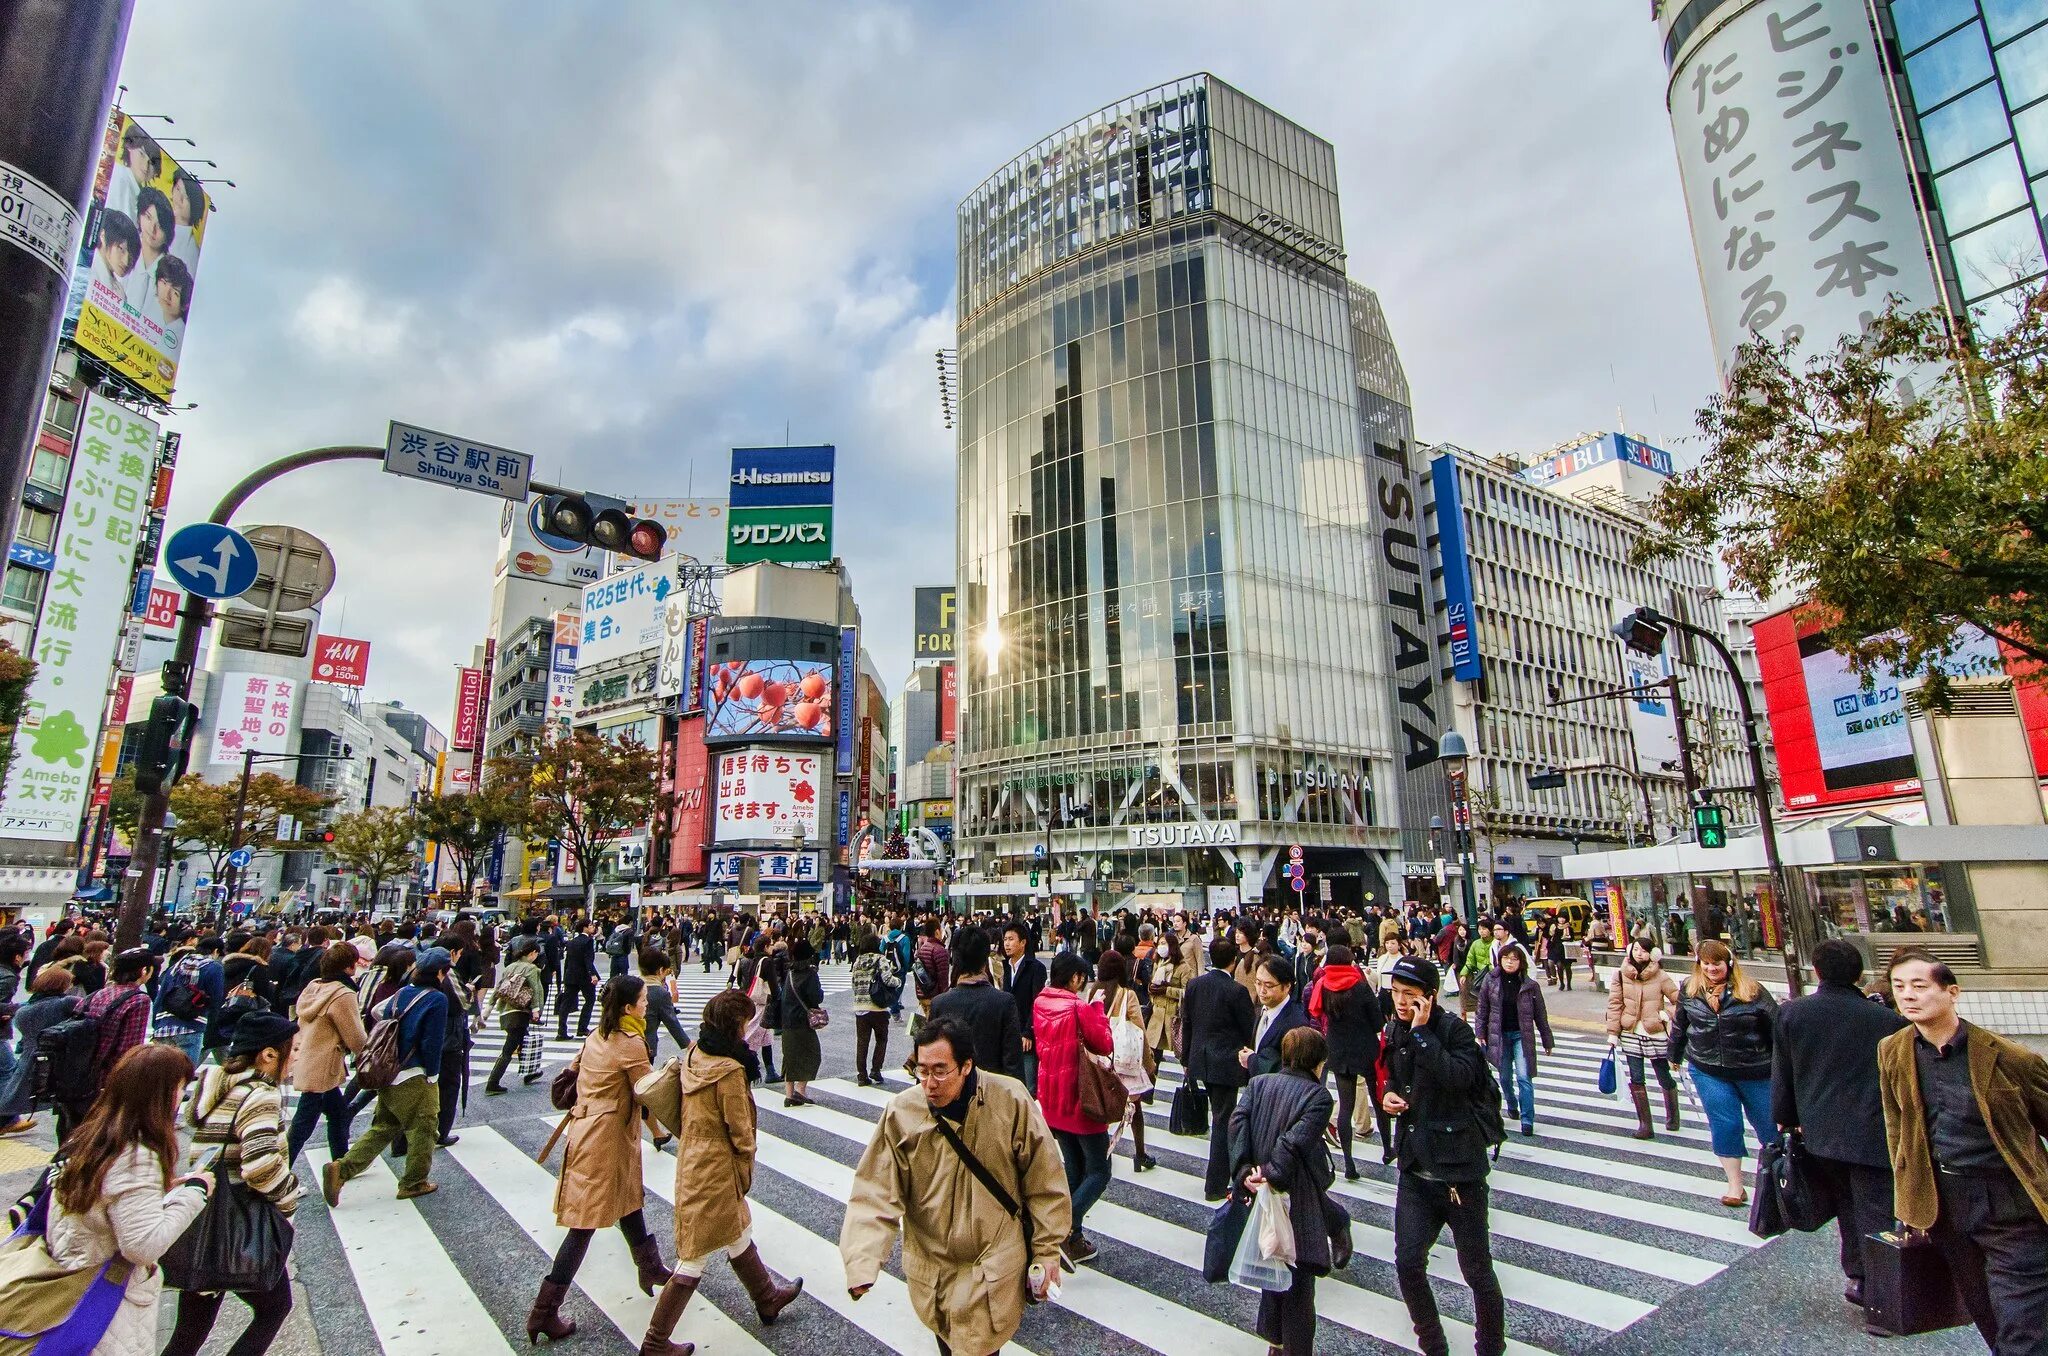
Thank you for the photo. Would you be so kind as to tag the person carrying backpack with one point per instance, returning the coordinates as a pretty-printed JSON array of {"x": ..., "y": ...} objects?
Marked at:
[
  {"x": 1432, "y": 1077},
  {"x": 108, "y": 1025},
  {"x": 619, "y": 946},
  {"x": 188, "y": 996}
]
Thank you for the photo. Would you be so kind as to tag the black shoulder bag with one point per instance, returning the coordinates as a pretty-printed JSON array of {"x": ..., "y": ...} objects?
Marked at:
[{"x": 992, "y": 1186}]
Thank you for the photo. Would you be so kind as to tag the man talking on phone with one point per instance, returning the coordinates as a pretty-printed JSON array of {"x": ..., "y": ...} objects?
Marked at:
[{"x": 1432, "y": 1079}]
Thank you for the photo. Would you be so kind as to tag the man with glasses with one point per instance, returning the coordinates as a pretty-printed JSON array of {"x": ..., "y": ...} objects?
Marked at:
[{"x": 960, "y": 1142}]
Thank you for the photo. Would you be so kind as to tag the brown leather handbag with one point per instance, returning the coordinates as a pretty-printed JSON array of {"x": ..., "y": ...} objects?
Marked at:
[{"x": 1103, "y": 1097}]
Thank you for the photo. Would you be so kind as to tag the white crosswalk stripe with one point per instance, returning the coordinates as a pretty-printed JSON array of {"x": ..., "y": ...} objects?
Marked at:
[{"x": 1593, "y": 1231}]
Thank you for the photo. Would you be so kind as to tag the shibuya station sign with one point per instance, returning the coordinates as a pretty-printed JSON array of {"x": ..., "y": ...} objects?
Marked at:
[{"x": 1220, "y": 833}]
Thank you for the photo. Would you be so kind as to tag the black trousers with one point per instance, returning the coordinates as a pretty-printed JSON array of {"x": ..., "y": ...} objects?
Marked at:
[
  {"x": 1287, "y": 1318},
  {"x": 1421, "y": 1210},
  {"x": 1997, "y": 1248},
  {"x": 1222, "y": 1101},
  {"x": 198, "y": 1311},
  {"x": 516, "y": 1023},
  {"x": 870, "y": 1028},
  {"x": 454, "y": 1083},
  {"x": 586, "y": 998},
  {"x": 1863, "y": 1200},
  {"x": 1347, "y": 1103}
]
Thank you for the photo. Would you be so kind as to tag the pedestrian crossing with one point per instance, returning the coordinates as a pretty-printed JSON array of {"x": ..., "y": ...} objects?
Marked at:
[{"x": 1592, "y": 1232}]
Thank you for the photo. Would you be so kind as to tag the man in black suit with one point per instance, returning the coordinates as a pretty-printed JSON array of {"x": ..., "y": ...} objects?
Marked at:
[
  {"x": 1022, "y": 978},
  {"x": 1279, "y": 1013},
  {"x": 983, "y": 1008},
  {"x": 579, "y": 980},
  {"x": 1824, "y": 1083},
  {"x": 1216, "y": 1013}
]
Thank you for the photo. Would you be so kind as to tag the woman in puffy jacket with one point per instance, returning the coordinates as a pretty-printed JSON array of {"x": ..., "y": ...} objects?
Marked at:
[
  {"x": 1343, "y": 1003},
  {"x": 1722, "y": 1031},
  {"x": 1638, "y": 1012},
  {"x": 1065, "y": 1031},
  {"x": 1511, "y": 1019}
]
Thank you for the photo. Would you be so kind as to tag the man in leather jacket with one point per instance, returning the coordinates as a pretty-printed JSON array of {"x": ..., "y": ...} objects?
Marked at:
[{"x": 1431, "y": 1075}]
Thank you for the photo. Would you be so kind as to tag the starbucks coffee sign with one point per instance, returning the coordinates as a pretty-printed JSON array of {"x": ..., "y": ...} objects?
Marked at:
[{"x": 1221, "y": 833}]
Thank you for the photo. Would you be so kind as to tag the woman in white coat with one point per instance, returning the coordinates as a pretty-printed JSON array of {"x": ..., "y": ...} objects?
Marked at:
[{"x": 115, "y": 1197}]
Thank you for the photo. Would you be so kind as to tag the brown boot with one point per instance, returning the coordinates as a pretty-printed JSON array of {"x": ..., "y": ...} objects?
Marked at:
[
  {"x": 769, "y": 1298},
  {"x": 545, "y": 1319},
  {"x": 1641, "y": 1097},
  {"x": 1670, "y": 1108},
  {"x": 668, "y": 1311},
  {"x": 647, "y": 1257}
]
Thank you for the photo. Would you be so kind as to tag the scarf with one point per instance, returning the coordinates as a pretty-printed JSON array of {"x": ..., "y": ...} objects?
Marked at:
[
  {"x": 633, "y": 1024},
  {"x": 713, "y": 1042},
  {"x": 1332, "y": 979}
]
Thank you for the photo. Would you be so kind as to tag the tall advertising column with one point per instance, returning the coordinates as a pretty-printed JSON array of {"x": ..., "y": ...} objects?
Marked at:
[{"x": 58, "y": 60}]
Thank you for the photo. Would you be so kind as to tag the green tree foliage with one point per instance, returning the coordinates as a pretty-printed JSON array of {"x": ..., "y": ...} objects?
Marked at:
[
  {"x": 16, "y": 672},
  {"x": 585, "y": 790},
  {"x": 467, "y": 826},
  {"x": 376, "y": 844},
  {"x": 1896, "y": 482},
  {"x": 206, "y": 815}
]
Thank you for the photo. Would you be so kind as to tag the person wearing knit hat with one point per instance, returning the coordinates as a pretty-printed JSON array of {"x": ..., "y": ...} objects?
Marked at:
[{"x": 259, "y": 1031}]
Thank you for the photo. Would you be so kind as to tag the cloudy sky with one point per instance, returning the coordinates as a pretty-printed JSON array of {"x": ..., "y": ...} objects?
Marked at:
[{"x": 626, "y": 236}]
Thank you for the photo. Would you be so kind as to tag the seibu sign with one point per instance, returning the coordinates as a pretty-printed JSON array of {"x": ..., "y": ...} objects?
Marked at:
[{"x": 1220, "y": 833}]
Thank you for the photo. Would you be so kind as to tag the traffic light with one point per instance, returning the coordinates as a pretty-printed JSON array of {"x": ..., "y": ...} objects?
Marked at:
[
  {"x": 1034, "y": 880},
  {"x": 1547, "y": 780},
  {"x": 327, "y": 836},
  {"x": 1711, "y": 824},
  {"x": 604, "y": 523},
  {"x": 166, "y": 744}
]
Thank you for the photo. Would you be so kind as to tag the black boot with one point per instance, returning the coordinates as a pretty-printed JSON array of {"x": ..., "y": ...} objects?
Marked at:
[{"x": 545, "y": 1319}]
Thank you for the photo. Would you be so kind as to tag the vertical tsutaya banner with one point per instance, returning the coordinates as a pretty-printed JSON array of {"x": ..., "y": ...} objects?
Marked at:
[
  {"x": 1801, "y": 200},
  {"x": 849, "y": 689},
  {"x": 468, "y": 707},
  {"x": 1461, "y": 627},
  {"x": 563, "y": 657},
  {"x": 254, "y": 716},
  {"x": 131, "y": 288},
  {"x": 50, "y": 778},
  {"x": 935, "y": 618}
]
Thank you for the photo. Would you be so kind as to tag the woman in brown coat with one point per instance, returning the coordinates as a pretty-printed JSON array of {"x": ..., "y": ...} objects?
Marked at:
[
  {"x": 714, "y": 1170},
  {"x": 1639, "y": 1005},
  {"x": 600, "y": 1181},
  {"x": 330, "y": 1030}
]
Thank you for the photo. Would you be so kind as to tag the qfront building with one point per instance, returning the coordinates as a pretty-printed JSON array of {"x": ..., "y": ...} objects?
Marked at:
[{"x": 1174, "y": 653}]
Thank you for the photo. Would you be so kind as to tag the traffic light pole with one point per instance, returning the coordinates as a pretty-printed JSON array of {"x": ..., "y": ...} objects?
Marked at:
[{"x": 193, "y": 617}]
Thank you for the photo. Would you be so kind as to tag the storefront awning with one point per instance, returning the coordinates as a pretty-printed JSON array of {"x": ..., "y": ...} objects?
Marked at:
[{"x": 1812, "y": 845}]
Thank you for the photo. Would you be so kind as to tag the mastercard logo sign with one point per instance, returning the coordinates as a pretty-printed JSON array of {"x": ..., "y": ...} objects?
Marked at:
[{"x": 534, "y": 563}]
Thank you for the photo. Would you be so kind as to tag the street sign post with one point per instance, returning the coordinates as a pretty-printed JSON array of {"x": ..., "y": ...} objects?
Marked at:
[
  {"x": 294, "y": 571},
  {"x": 211, "y": 560},
  {"x": 240, "y": 858},
  {"x": 424, "y": 454}
]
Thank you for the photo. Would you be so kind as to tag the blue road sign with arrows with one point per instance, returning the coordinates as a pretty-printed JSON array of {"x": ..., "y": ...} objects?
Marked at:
[
  {"x": 211, "y": 560},
  {"x": 240, "y": 858}
]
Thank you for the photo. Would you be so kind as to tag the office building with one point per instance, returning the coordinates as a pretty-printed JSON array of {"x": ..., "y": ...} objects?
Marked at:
[
  {"x": 1535, "y": 570},
  {"x": 1172, "y": 671}
]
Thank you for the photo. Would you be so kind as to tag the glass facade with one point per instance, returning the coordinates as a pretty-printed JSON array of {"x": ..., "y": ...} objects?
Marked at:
[
  {"x": 1976, "y": 73},
  {"x": 1166, "y": 601}
]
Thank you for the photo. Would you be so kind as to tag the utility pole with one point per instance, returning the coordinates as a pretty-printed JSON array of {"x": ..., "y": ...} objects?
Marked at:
[{"x": 58, "y": 63}]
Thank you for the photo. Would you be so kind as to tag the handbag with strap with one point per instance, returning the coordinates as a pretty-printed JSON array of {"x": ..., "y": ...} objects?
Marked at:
[
  {"x": 1189, "y": 1114},
  {"x": 979, "y": 1171},
  {"x": 562, "y": 1091},
  {"x": 44, "y": 1305},
  {"x": 239, "y": 1242},
  {"x": 1102, "y": 1095}
]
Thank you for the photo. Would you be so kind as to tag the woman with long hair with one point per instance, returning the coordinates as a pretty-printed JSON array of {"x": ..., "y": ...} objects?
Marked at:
[
  {"x": 1171, "y": 975},
  {"x": 52, "y": 998},
  {"x": 1246, "y": 937},
  {"x": 1512, "y": 1018},
  {"x": 802, "y": 994},
  {"x": 331, "y": 1030},
  {"x": 1344, "y": 1001},
  {"x": 236, "y": 1110},
  {"x": 600, "y": 1182},
  {"x": 1638, "y": 1012},
  {"x": 714, "y": 1171},
  {"x": 756, "y": 979},
  {"x": 114, "y": 1195},
  {"x": 1119, "y": 1003},
  {"x": 1722, "y": 1032}
]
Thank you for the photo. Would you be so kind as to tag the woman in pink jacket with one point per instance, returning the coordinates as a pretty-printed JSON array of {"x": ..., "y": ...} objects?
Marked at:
[{"x": 1065, "y": 1031}]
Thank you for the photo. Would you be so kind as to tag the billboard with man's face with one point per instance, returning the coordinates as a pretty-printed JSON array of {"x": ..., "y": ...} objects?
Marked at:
[{"x": 138, "y": 259}]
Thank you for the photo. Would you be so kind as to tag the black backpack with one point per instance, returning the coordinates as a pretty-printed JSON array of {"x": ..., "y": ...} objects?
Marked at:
[
  {"x": 66, "y": 1068},
  {"x": 179, "y": 995},
  {"x": 1486, "y": 1107}
]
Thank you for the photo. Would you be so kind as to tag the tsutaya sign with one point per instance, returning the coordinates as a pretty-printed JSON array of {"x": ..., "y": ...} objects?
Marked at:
[{"x": 1220, "y": 833}]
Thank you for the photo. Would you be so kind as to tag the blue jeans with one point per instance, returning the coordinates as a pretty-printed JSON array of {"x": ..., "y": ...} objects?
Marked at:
[
  {"x": 312, "y": 1105},
  {"x": 1517, "y": 1089},
  {"x": 190, "y": 1042},
  {"x": 1727, "y": 1101},
  {"x": 1087, "y": 1160}
]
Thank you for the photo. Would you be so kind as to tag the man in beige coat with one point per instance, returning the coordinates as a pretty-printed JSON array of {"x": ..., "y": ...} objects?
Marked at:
[{"x": 967, "y": 1244}]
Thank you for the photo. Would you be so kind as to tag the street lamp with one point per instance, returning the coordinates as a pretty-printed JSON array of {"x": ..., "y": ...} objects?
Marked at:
[
  {"x": 1453, "y": 753},
  {"x": 1644, "y": 631}
]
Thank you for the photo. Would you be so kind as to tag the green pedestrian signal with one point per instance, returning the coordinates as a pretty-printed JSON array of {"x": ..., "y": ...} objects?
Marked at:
[
  {"x": 1710, "y": 822},
  {"x": 1238, "y": 867},
  {"x": 1034, "y": 880}
]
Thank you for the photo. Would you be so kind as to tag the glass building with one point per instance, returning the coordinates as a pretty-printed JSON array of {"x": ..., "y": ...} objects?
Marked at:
[{"x": 1173, "y": 666}]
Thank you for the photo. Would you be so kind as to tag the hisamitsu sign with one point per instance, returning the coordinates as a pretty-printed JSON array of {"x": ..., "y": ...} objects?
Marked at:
[
  {"x": 785, "y": 535},
  {"x": 781, "y": 477},
  {"x": 423, "y": 454}
]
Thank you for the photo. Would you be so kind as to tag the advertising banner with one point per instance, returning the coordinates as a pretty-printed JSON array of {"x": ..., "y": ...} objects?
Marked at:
[
  {"x": 530, "y": 553},
  {"x": 675, "y": 649},
  {"x": 936, "y": 613},
  {"x": 800, "y": 869},
  {"x": 1652, "y": 724},
  {"x": 849, "y": 689},
  {"x": 132, "y": 283},
  {"x": 562, "y": 671},
  {"x": 254, "y": 716},
  {"x": 337, "y": 659},
  {"x": 693, "y": 780},
  {"x": 622, "y": 614},
  {"x": 767, "y": 793},
  {"x": 1796, "y": 230},
  {"x": 695, "y": 527},
  {"x": 769, "y": 698},
  {"x": 162, "y": 611},
  {"x": 469, "y": 698},
  {"x": 1461, "y": 625},
  {"x": 787, "y": 536},
  {"x": 50, "y": 778},
  {"x": 949, "y": 702},
  {"x": 693, "y": 673},
  {"x": 766, "y": 477}
]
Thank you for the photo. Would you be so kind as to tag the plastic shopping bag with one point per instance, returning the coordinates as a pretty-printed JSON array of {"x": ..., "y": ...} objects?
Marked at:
[
  {"x": 1276, "y": 1227},
  {"x": 1249, "y": 1268}
]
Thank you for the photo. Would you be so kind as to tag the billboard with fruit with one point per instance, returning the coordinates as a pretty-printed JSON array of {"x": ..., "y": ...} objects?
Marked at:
[{"x": 768, "y": 699}]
